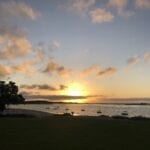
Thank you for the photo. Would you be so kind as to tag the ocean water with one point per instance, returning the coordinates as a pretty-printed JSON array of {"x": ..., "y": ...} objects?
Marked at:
[{"x": 90, "y": 109}]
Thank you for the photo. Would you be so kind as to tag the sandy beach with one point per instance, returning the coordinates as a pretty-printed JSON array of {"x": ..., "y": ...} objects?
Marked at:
[{"x": 26, "y": 112}]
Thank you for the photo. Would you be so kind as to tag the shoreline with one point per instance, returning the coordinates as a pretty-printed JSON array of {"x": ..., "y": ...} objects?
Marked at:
[
  {"x": 26, "y": 112},
  {"x": 11, "y": 112}
]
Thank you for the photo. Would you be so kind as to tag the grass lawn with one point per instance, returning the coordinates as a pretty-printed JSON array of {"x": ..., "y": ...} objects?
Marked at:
[{"x": 73, "y": 133}]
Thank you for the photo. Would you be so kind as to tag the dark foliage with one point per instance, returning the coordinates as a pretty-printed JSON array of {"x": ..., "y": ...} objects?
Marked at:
[{"x": 9, "y": 94}]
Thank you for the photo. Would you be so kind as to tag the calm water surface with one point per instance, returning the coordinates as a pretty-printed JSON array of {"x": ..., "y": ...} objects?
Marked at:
[{"x": 89, "y": 109}]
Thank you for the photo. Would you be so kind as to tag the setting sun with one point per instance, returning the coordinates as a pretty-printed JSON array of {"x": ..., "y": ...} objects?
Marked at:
[
  {"x": 74, "y": 92},
  {"x": 75, "y": 89}
]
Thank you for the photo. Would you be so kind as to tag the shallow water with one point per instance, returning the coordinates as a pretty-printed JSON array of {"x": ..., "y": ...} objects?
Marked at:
[{"x": 90, "y": 109}]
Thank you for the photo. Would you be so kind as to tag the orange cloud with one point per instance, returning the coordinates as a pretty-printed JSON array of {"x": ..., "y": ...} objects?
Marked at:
[
  {"x": 147, "y": 56},
  {"x": 142, "y": 4},
  {"x": 100, "y": 15},
  {"x": 90, "y": 70},
  {"x": 13, "y": 46},
  {"x": 25, "y": 68},
  {"x": 4, "y": 71},
  {"x": 99, "y": 71},
  {"x": 13, "y": 42},
  {"x": 119, "y": 4},
  {"x": 53, "y": 67}
]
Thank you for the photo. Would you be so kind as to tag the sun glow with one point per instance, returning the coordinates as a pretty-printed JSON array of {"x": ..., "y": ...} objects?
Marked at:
[{"x": 76, "y": 89}]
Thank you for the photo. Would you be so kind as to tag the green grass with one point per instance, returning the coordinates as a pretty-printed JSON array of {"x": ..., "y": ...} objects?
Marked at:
[{"x": 71, "y": 133}]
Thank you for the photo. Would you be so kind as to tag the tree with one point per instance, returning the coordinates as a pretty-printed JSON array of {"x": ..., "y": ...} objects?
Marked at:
[{"x": 9, "y": 94}]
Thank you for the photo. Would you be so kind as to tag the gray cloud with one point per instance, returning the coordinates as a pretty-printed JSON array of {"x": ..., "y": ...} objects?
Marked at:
[
  {"x": 136, "y": 59},
  {"x": 107, "y": 71},
  {"x": 121, "y": 7},
  {"x": 62, "y": 87},
  {"x": 9, "y": 9},
  {"x": 43, "y": 87},
  {"x": 54, "y": 97},
  {"x": 54, "y": 45},
  {"x": 133, "y": 60}
]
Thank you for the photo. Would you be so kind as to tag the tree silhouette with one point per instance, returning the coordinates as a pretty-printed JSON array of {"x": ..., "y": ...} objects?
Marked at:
[{"x": 9, "y": 94}]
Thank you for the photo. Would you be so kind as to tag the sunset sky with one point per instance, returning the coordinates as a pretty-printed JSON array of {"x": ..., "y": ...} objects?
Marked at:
[{"x": 76, "y": 47}]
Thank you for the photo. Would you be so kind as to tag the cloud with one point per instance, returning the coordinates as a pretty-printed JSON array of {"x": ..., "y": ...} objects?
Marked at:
[
  {"x": 62, "y": 71},
  {"x": 25, "y": 93},
  {"x": 13, "y": 46},
  {"x": 80, "y": 5},
  {"x": 10, "y": 29},
  {"x": 136, "y": 59},
  {"x": 147, "y": 56},
  {"x": 142, "y": 4},
  {"x": 4, "y": 71},
  {"x": 54, "y": 45},
  {"x": 62, "y": 87},
  {"x": 133, "y": 60},
  {"x": 54, "y": 97},
  {"x": 51, "y": 67},
  {"x": 107, "y": 71},
  {"x": 43, "y": 87},
  {"x": 54, "y": 67},
  {"x": 100, "y": 15},
  {"x": 18, "y": 9},
  {"x": 123, "y": 8},
  {"x": 99, "y": 71},
  {"x": 13, "y": 42},
  {"x": 39, "y": 87},
  {"x": 97, "y": 15},
  {"x": 90, "y": 70},
  {"x": 38, "y": 56},
  {"x": 119, "y": 4},
  {"x": 23, "y": 68}
]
